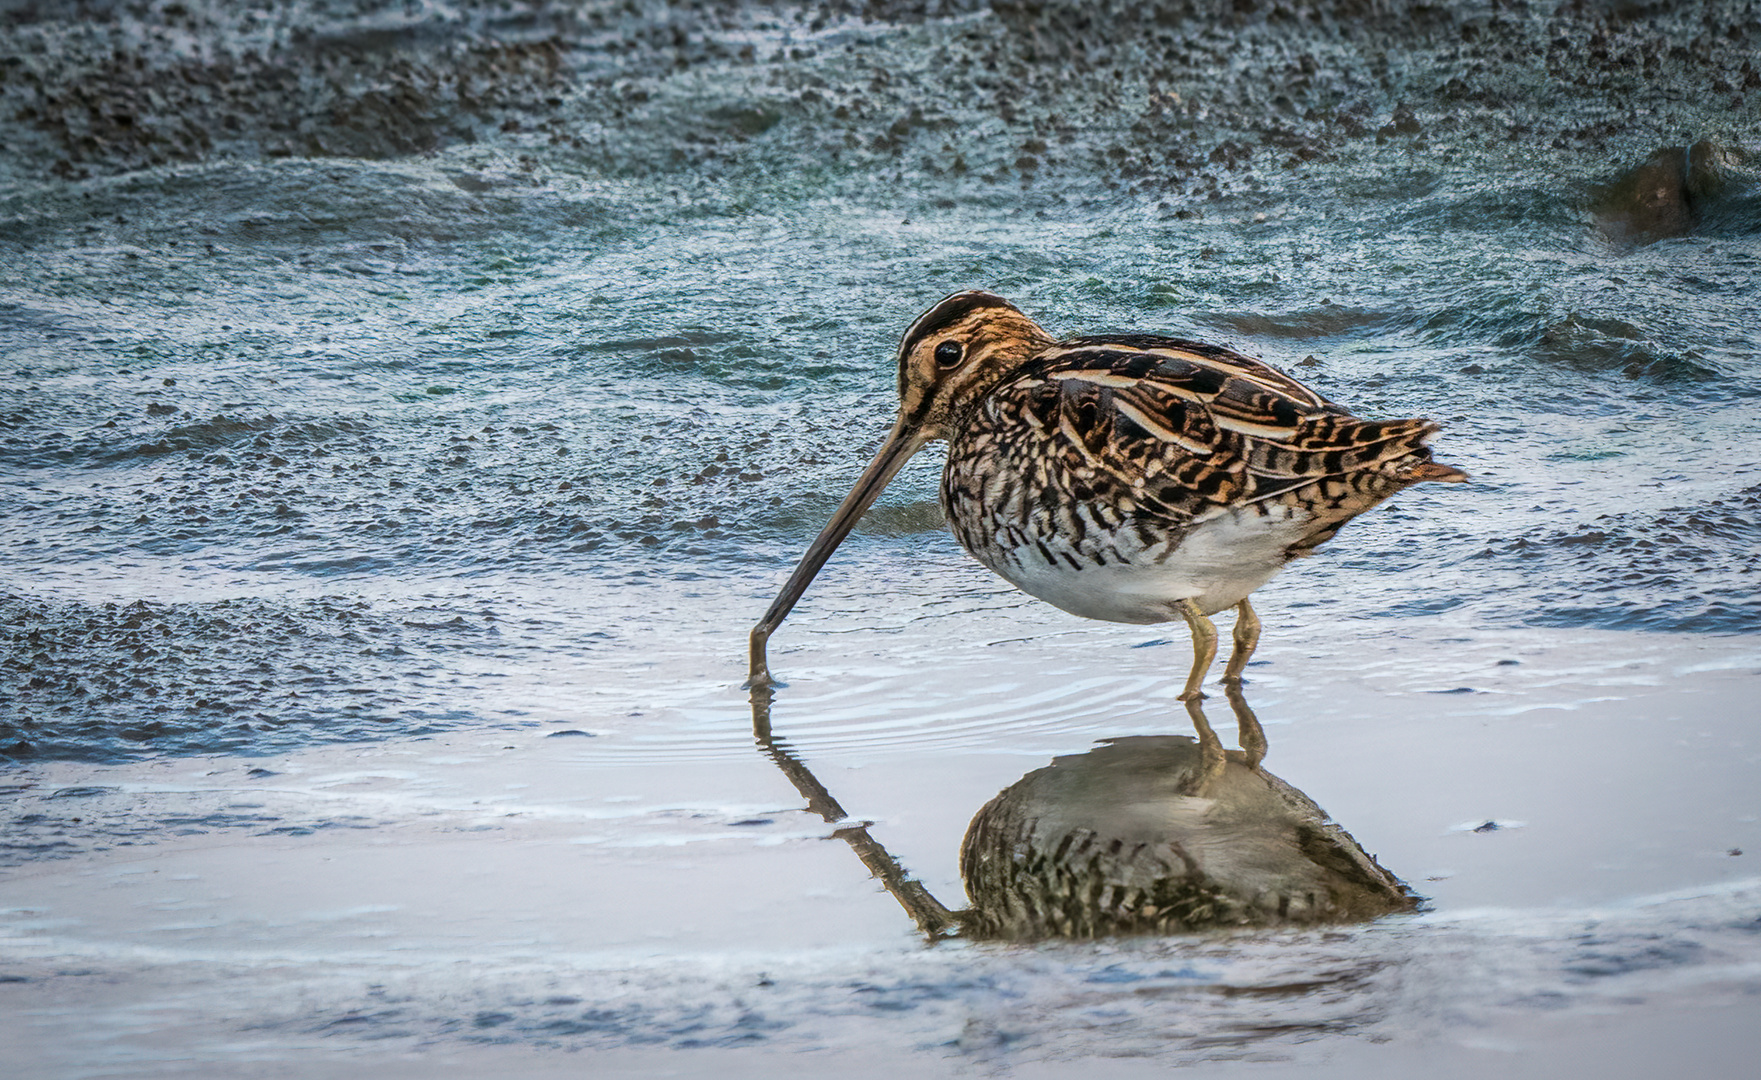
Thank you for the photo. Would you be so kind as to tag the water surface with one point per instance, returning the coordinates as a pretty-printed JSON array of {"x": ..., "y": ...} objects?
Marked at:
[{"x": 428, "y": 381}]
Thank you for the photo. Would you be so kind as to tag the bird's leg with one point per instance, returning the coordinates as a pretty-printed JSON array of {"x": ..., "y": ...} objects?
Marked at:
[
  {"x": 1247, "y": 636},
  {"x": 1204, "y": 648},
  {"x": 1247, "y": 727}
]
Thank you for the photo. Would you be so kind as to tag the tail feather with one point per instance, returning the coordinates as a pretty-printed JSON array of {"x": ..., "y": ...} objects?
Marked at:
[{"x": 1431, "y": 470}]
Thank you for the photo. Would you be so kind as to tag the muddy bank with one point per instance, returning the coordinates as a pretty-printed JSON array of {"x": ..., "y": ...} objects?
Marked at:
[{"x": 1185, "y": 101}]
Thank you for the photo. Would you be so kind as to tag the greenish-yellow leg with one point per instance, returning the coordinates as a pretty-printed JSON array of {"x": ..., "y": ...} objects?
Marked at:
[
  {"x": 1204, "y": 648},
  {"x": 1247, "y": 636}
]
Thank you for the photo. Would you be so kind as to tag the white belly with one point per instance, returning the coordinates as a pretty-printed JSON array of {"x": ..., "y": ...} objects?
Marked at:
[{"x": 1217, "y": 564}]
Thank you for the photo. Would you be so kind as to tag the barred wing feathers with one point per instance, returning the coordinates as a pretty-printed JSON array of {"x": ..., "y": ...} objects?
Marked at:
[{"x": 1183, "y": 431}]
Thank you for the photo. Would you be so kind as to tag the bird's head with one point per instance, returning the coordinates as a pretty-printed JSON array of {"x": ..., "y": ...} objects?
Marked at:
[{"x": 954, "y": 354}]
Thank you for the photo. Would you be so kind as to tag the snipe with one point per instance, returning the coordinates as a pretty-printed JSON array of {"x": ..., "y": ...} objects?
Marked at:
[{"x": 1129, "y": 477}]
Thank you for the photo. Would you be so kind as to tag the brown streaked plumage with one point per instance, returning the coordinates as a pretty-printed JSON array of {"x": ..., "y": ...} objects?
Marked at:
[{"x": 1130, "y": 477}]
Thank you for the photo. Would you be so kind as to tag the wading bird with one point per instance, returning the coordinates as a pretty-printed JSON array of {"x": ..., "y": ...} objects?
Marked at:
[{"x": 1127, "y": 477}]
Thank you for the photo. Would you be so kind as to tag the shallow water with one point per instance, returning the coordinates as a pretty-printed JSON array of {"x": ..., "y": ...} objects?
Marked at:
[
  {"x": 376, "y": 421},
  {"x": 423, "y": 901}
]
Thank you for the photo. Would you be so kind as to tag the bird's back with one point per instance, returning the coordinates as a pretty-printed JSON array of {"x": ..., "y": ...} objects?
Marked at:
[{"x": 1117, "y": 451}]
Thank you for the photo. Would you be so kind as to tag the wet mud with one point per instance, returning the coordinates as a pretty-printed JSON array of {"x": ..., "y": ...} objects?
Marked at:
[
  {"x": 103, "y": 681},
  {"x": 1189, "y": 98}
]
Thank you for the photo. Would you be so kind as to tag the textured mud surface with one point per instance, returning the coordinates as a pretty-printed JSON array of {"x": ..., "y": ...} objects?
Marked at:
[
  {"x": 229, "y": 675},
  {"x": 1177, "y": 98}
]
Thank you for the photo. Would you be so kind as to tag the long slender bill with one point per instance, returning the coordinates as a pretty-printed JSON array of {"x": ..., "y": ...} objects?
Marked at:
[{"x": 902, "y": 442}]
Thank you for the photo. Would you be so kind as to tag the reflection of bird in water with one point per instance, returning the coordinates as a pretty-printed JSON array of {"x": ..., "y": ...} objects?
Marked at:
[
  {"x": 1129, "y": 478},
  {"x": 1150, "y": 834},
  {"x": 1158, "y": 834}
]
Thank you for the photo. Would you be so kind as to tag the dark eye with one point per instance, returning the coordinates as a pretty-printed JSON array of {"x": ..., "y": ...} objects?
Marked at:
[{"x": 948, "y": 353}]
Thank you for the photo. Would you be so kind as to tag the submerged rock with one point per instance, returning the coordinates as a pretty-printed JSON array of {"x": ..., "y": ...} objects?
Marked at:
[
  {"x": 1672, "y": 192},
  {"x": 1140, "y": 836}
]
